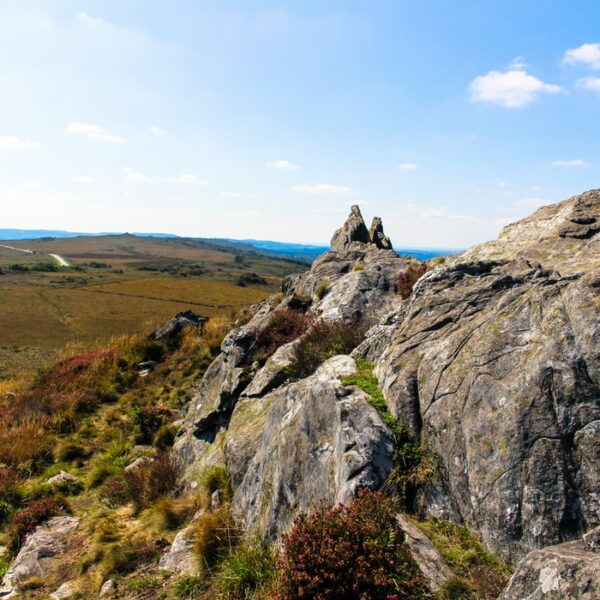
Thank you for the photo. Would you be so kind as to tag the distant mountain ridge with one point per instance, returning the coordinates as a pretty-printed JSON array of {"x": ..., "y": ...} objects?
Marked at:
[{"x": 304, "y": 252}]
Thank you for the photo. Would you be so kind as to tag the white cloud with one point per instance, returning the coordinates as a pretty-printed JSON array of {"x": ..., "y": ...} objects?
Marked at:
[
  {"x": 186, "y": 179},
  {"x": 530, "y": 202},
  {"x": 183, "y": 179},
  {"x": 408, "y": 166},
  {"x": 236, "y": 195},
  {"x": 512, "y": 89},
  {"x": 324, "y": 189},
  {"x": 157, "y": 131},
  {"x": 586, "y": 54},
  {"x": 86, "y": 19},
  {"x": 577, "y": 163},
  {"x": 94, "y": 132},
  {"x": 83, "y": 179},
  {"x": 283, "y": 165},
  {"x": 502, "y": 184},
  {"x": 11, "y": 142},
  {"x": 589, "y": 83},
  {"x": 435, "y": 213}
]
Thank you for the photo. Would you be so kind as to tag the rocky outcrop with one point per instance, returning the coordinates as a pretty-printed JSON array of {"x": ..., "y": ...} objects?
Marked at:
[
  {"x": 37, "y": 553},
  {"x": 493, "y": 362},
  {"x": 353, "y": 230},
  {"x": 171, "y": 331},
  {"x": 377, "y": 236},
  {"x": 569, "y": 571}
]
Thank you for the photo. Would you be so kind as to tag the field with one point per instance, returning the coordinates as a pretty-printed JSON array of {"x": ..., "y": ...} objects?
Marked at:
[{"x": 118, "y": 284}]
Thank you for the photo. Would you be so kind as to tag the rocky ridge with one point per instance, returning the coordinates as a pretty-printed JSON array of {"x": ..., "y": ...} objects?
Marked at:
[{"x": 492, "y": 363}]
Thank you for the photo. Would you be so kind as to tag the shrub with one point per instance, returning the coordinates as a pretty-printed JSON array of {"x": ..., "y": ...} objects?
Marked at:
[
  {"x": 250, "y": 567},
  {"x": 353, "y": 551},
  {"x": 70, "y": 451},
  {"x": 283, "y": 326},
  {"x": 457, "y": 588},
  {"x": 124, "y": 557},
  {"x": 170, "y": 513},
  {"x": 214, "y": 332},
  {"x": 165, "y": 436},
  {"x": 322, "y": 341},
  {"x": 322, "y": 289},
  {"x": 24, "y": 441},
  {"x": 145, "y": 484},
  {"x": 26, "y": 520},
  {"x": 216, "y": 478},
  {"x": 147, "y": 420},
  {"x": 406, "y": 279},
  {"x": 9, "y": 493},
  {"x": 215, "y": 535}
]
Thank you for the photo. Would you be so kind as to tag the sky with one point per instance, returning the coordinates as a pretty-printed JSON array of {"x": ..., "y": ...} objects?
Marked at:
[{"x": 267, "y": 120}]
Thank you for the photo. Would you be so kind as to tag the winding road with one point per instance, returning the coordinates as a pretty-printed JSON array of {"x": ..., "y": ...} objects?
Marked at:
[{"x": 62, "y": 262}]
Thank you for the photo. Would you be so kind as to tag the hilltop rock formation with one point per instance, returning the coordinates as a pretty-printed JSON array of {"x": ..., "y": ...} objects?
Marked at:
[{"x": 493, "y": 362}]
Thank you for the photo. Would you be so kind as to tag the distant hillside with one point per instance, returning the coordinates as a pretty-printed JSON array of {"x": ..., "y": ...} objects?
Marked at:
[{"x": 298, "y": 252}]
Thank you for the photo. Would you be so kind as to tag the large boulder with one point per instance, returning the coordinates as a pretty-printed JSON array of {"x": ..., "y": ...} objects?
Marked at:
[
  {"x": 37, "y": 553},
  {"x": 569, "y": 571},
  {"x": 314, "y": 440},
  {"x": 353, "y": 230}
]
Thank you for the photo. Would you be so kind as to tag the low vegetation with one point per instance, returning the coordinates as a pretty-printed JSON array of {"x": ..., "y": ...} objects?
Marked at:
[
  {"x": 413, "y": 464},
  {"x": 353, "y": 551},
  {"x": 407, "y": 278}
]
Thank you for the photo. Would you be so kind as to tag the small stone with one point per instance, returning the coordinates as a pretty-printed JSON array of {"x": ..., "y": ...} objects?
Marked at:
[
  {"x": 62, "y": 477},
  {"x": 216, "y": 500},
  {"x": 107, "y": 589},
  {"x": 64, "y": 591},
  {"x": 138, "y": 463}
]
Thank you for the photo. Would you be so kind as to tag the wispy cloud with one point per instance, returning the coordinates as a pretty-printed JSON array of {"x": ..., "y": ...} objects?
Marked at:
[
  {"x": 157, "y": 131},
  {"x": 133, "y": 176},
  {"x": 283, "y": 165},
  {"x": 577, "y": 163},
  {"x": 237, "y": 195},
  {"x": 408, "y": 166},
  {"x": 11, "y": 142},
  {"x": 514, "y": 88},
  {"x": 591, "y": 84},
  {"x": 83, "y": 179},
  {"x": 324, "y": 189},
  {"x": 94, "y": 132},
  {"x": 586, "y": 54}
]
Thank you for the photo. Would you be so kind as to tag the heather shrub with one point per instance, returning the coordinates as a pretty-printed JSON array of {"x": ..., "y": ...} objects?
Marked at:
[
  {"x": 283, "y": 326},
  {"x": 353, "y": 551},
  {"x": 322, "y": 341},
  {"x": 165, "y": 436},
  {"x": 9, "y": 492},
  {"x": 27, "y": 519},
  {"x": 405, "y": 281}
]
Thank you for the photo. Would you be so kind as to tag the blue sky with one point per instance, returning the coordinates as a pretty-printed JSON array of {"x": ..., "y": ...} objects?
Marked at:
[{"x": 269, "y": 119}]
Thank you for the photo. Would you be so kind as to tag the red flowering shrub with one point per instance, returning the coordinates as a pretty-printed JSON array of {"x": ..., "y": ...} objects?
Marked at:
[
  {"x": 282, "y": 327},
  {"x": 27, "y": 519},
  {"x": 349, "y": 552},
  {"x": 406, "y": 279}
]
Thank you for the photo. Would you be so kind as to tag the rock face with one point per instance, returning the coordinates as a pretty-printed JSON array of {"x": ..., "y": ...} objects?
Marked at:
[
  {"x": 496, "y": 363},
  {"x": 377, "y": 236},
  {"x": 353, "y": 230},
  {"x": 569, "y": 571},
  {"x": 493, "y": 362},
  {"x": 39, "y": 549}
]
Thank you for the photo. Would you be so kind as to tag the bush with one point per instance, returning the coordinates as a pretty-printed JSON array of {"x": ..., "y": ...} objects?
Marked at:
[
  {"x": 26, "y": 520},
  {"x": 250, "y": 567},
  {"x": 457, "y": 589},
  {"x": 349, "y": 552},
  {"x": 125, "y": 557},
  {"x": 322, "y": 341},
  {"x": 283, "y": 326},
  {"x": 215, "y": 535},
  {"x": 165, "y": 436},
  {"x": 322, "y": 289},
  {"x": 9, "y": 493},
  {"x": 406, "y": 279},
  {"x": 24, "y": 441},
  {"x": 146, "y": 483}
]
